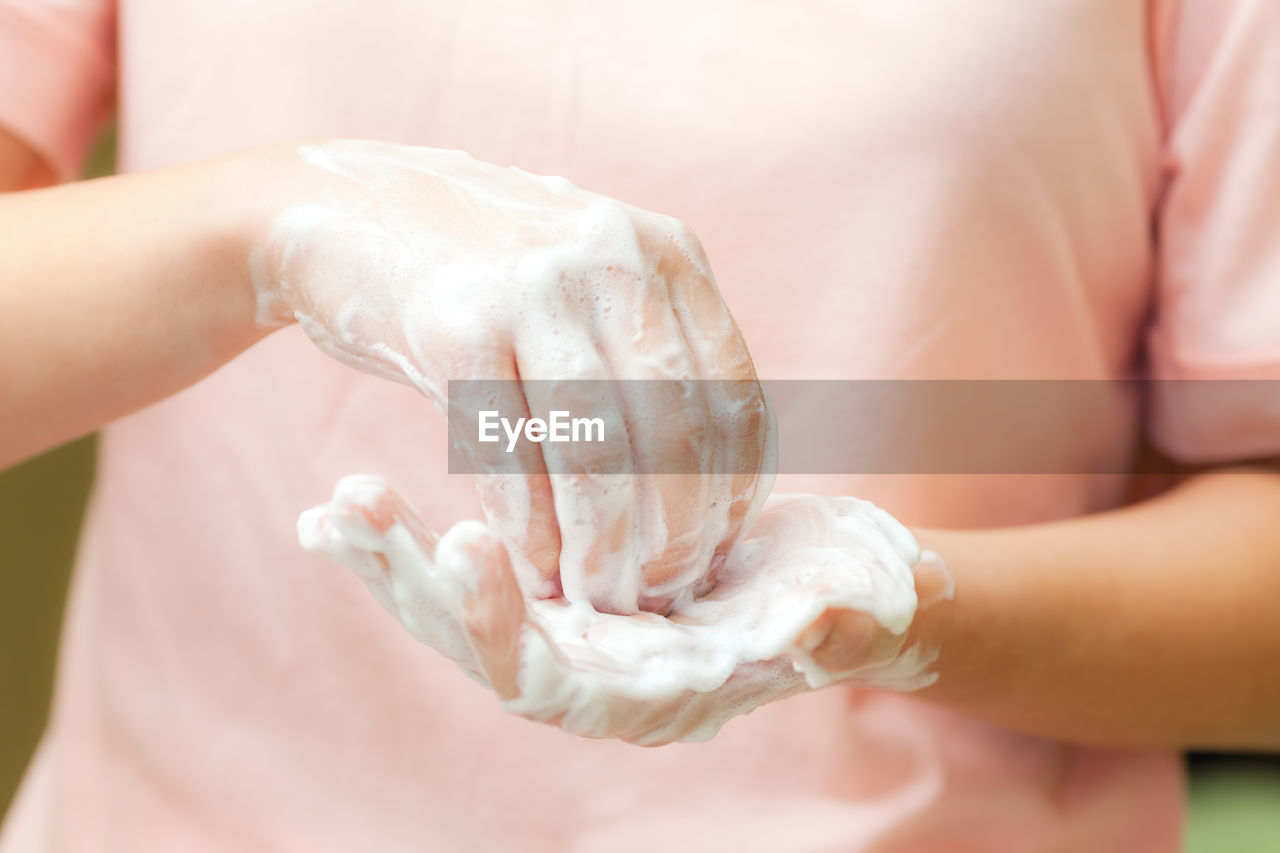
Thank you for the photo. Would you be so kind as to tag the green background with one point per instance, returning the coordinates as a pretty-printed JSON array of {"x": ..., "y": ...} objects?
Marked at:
[{"x": 1235, "y": 802}]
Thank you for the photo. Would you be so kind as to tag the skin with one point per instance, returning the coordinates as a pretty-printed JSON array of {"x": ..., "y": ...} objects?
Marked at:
[
  {"x": 1152, "y": 625},
  {"x": 1149, "y": 625},
  {"x": 124, "y": 295},
  {"x": 640, "y": 678},
  {"x": 150, "y": 288},
  {"x": 560, "y": 284}
]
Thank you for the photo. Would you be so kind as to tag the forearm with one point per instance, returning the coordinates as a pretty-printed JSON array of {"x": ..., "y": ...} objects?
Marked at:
[
  {"x": 117, "y": 292},
  {"x": 1150, "y": 625}
]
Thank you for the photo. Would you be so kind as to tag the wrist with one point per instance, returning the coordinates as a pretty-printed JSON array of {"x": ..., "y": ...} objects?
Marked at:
[
  {"x": 938, "y": 616},
  {"x": 277, "y": 185},
  {"x": 218, "y": 213},
  {"x": 257, "y": 185}
]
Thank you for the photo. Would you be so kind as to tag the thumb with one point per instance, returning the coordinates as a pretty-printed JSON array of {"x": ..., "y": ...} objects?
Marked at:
[
  {"x": 838, "y": 641},
  {"x": 933, "y": 582}
]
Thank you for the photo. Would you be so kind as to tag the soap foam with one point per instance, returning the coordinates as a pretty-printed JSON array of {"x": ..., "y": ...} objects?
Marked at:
[
  {"x": 645, "y": 678},
  {"x": 424, "y": 265}
]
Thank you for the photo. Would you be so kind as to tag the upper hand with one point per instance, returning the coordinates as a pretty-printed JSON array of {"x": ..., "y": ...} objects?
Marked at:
[{"x": 426, "y": 266}]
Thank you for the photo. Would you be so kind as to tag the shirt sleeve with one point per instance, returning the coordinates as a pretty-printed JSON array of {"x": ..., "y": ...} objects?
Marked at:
[
  {"x": 57, "y": 75},
  {"x": 1214, "y": 342}
]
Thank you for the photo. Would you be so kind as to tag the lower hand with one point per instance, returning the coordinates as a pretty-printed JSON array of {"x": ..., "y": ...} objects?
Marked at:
[{"x": 820, "y": 590}]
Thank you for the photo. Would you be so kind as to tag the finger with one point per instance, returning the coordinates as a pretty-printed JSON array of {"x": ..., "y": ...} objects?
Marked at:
[
  {"x": 669, "y": 423},
  {"x": 371, "y": 516},
  {"x": 329, "y": 530},
  {"x": 372, "y": 519},
  {"x": 316, "y": 533},
  {"x": 493, "y": 610},
  {"x": 593, "y": 482},
  {"x": 742, "y": 419},
  {"x": 514, "y": 488}
]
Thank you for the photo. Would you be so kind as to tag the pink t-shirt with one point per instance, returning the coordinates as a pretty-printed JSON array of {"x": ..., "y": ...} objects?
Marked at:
[{"x": 885, "y": 190}]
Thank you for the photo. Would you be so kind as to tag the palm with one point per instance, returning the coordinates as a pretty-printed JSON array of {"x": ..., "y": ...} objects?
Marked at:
[{"x": 642, "y": 678}]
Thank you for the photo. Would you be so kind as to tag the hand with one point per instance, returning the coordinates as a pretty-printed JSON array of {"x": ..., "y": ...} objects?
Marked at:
[
  {"x": 426, "y": 266},
  {"x": 822, "y": 589}
]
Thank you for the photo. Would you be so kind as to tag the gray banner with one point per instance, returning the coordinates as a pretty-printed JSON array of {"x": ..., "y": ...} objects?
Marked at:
[{"x": 828, "y": 426}]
